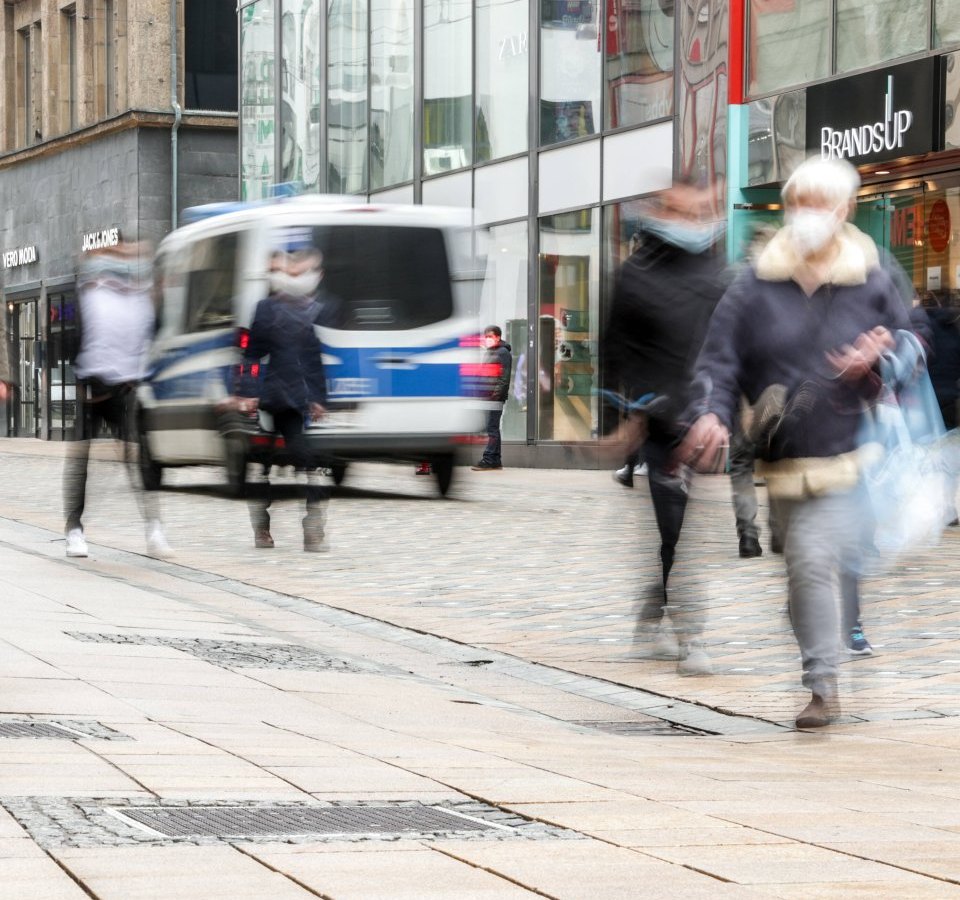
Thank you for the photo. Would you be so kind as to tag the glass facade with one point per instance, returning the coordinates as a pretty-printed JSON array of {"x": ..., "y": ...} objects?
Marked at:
[
  {"x": 570, "y": 63},
  {"x": 300, "y": 60},
  {"x": 638, "y": 50},
  {"x": 502, "y": 78},
  {"x": 391, "y": 92},
  {"x": 447, "y": 85},
  {"x": 431, "y": 101},
  {"x": 792, "y": 42},
  {"x": 257, "y": 100},
  {"x": 568, "y": 313}
]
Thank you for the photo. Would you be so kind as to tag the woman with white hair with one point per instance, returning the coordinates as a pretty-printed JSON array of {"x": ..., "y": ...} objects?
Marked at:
[{"x": 799, "y": 334}]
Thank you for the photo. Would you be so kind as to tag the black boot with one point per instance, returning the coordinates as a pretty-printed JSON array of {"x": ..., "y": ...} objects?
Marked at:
[{"x": 750, "y": 546}]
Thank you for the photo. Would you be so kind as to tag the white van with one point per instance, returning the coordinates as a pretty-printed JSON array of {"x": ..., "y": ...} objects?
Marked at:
[{"x": 402, "y": 361}]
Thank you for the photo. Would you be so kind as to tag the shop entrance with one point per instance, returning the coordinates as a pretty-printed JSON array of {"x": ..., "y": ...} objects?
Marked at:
[
  {"x": 23, "y": 410},
  {"x": 920, "y": 227}
]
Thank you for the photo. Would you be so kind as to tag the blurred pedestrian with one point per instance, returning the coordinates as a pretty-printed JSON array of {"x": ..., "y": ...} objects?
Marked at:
[
  {"x": 800, "y": 334},
  {"x": 291, "y": 386},
  {"x": 497, "y": 354},
  {"x": 6, "y": 373},
  {"x": 943, "y": 363},
  {"x": 116, "y": 322},
  {"x": 664, "y": 296}
]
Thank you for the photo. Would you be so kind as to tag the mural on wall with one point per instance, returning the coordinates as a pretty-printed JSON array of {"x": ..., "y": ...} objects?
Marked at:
[
  {"x": 702, "y": 89},
  {"x": 951, "y": 121}
]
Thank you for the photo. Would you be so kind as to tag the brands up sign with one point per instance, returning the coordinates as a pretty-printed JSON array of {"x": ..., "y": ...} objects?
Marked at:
[{"x": 879, "y": 115}]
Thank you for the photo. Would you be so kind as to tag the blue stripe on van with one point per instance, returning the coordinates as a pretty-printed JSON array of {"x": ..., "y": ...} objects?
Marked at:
[{"x": 364, "y": 372}]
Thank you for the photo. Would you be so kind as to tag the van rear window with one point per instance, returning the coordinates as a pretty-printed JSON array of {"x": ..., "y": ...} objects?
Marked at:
[{"x": 388, "y": 278}]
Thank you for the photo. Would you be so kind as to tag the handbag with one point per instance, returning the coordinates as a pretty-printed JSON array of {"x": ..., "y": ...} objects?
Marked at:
[{"x": 905, "y": 455}]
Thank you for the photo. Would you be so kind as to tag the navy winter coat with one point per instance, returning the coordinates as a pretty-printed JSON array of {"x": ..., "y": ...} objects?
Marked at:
[
  {"x": 283, "y": 329},
  {"x": 767, "y": 331}
]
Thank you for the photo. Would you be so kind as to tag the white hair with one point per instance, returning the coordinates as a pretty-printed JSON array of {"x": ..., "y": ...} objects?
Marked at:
[{"x": 834, "y": 181}]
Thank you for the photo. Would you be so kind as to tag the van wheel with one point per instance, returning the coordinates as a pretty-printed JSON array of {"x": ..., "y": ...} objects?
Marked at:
[
  {"x": 236, "y": 463},
  {"x": 151, "y": 472},
  {"x": 443, "y": 469},
  {"x": 338, "y": 473}
]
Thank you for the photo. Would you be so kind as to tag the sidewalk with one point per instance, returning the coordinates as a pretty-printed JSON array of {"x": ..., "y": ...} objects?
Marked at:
[{"x": 466, "y": 654}]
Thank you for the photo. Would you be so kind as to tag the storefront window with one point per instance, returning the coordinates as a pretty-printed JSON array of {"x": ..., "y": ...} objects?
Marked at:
[
  {"x": 873, "y": 31},
  {"x": 347, "y": 96},
  {"x": 568, "y": 319},
  {"x": 504, "y": 303},
  {"x": 300, "y": 93},
  {"x": 789, "y": 43},
  {"x": 639, "y": 59},
  {"x": 947, "y": 20},
  {"x": 62, "y": 347},
  {"x": 257, "y": 100},
  {"x": 391, "y": 92},
  {"x": 447, "y": 85},
  {"x": 569, "y": 69},
  {"x": 502, "y": 79}
]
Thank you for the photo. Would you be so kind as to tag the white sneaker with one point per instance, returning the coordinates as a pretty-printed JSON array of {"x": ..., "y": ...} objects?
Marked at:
[
  {"x": 665, "y": 644},
  {"x": 157, "y": 542},
  {"x": 694, "y": 661},
  {"x": 640, "y": 470},
  {"x": 76, "y": 543}
]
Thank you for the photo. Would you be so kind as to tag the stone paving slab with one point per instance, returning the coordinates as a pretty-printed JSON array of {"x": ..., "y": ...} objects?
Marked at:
[{"x": 485, "y": 648}]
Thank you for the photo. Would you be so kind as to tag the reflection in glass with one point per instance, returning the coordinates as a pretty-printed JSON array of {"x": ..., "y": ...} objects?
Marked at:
[
  {"x": 947, "y": 21},
  {"x": 504, "y": 303},
  {"x": 391, "y": 92},
  {"x": 639, "y": 59},
  {"x": 300, "y": 92},
  {"x": 502, "y": 77},
  {"x": 872, "y": 31},
  {"x": 789, "y": 44},
  {"x": 568, "y": 317},
  {"x": 257, "y": 99},
  {"x": 347, "y": 96},
  {"x": 447, "y": 91},
  {"x": 569, "y": 69},
  {"x": 61, "y": 348}
]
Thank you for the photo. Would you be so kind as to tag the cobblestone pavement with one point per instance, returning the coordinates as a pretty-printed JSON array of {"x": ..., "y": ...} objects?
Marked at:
[
  {"x": 472, "y": 655},
  {"x": 543, "y": 565}
]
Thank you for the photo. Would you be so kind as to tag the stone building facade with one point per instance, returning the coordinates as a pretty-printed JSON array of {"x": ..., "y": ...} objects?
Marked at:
[{"x": 93, "y": 141}]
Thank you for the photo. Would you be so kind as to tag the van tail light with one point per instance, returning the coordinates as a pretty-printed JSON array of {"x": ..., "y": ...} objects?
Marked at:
[
  {"x": 471, "y": 340},
  {"x": 468, "y": 439},
  {"x": 243, "y": 338}
]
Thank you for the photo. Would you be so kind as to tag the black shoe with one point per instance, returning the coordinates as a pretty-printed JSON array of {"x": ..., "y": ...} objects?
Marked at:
[
  {"x": 776, "y": 545},
  {"x": 750, "y": 547},
  {"x": 624, "y": 476},
  {"x": 483, "y": 466}
]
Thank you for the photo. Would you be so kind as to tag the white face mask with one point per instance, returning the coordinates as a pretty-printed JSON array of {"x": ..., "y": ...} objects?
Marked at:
[
  {"x": 295, "y": 285},
  {"x": 812, "y": 229}
]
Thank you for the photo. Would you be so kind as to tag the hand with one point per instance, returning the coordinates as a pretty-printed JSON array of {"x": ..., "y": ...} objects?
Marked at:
[
  {"x": 853, "y": 363},
  {"x": 238, "y": 404},
  {"x": 317, "y": 412},
  {"x": 4, "y": 390},
  {"x": 705, "y": 445}
]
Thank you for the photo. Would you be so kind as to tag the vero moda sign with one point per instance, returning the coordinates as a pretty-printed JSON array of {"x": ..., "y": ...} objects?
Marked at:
[{"x": 878, "y": 116}]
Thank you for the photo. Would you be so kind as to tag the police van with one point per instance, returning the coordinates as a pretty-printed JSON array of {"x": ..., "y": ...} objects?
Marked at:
[{"x": 402, "y": 358}]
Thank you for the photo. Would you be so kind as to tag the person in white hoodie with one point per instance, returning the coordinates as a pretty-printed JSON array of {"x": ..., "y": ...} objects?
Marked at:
[{"x": 117, "y": 320}]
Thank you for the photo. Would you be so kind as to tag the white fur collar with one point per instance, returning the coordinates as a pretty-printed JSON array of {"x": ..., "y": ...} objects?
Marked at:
[{"x": 779, "y": 260}]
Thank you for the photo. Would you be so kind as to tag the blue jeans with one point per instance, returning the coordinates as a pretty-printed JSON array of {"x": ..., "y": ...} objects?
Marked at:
[{"x": 491, "y": 454}]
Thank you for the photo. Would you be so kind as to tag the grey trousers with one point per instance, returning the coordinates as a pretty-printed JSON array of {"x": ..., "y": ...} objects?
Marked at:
[{"x": 819, "y": 535}]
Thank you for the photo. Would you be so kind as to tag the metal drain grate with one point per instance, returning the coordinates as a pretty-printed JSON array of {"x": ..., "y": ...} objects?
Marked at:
[
  {"x": 37, "y": 730},
  {"x": 651, "y": 728},
  {"x": 293, "y": 821},
  {"x": 232, "y": 654}
]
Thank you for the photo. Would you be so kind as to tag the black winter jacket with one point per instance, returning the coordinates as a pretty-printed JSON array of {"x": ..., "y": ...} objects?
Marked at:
[
  {"x": 501, "y": 357},
  {"x": 662, "y": 303},
  {"x": 283, "y": 329}
]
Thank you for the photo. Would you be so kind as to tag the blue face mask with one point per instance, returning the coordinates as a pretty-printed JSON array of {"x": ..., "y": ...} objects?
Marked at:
[{"x": 690, "y": 236}]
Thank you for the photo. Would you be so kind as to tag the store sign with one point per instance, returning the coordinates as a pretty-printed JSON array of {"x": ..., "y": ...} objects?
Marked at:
[
  {"x": 879, "y": 115},
  {"x": 22, "y": 256},
  {"x": 97, "y": 240}
]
